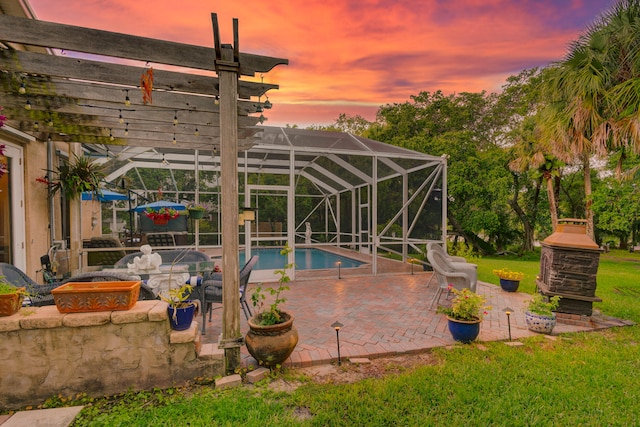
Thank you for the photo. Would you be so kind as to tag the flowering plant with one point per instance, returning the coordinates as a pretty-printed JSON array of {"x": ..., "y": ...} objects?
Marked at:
[
  {"x": 507, "y": 274},
  {"x": 3, "y": 166},
  {"x": 540, "y": 304},
  {"x": 161, "y": 213},
  {"x": 198, "y": 206},
  {"x": 466, "y": 305}
]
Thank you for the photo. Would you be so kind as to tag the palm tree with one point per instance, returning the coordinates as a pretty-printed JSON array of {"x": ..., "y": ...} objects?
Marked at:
[{"x": 596, "y": 93}]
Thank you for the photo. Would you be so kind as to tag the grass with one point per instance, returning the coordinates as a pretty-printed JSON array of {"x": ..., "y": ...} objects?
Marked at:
[{"x": 587, "y": 379}]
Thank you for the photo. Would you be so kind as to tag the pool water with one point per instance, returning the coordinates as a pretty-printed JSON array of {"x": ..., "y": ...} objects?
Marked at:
[{"x": 305, "y": 259}]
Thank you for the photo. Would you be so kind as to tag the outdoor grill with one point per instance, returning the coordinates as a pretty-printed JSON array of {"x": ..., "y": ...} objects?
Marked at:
[{"x": 568, "y": 267}]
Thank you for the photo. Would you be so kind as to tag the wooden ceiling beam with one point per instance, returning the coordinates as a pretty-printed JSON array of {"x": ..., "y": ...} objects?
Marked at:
[{"x": 117, "y": 45}]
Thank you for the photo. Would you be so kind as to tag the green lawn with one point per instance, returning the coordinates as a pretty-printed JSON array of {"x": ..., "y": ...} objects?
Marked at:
[{"x": 587, "y": 379}]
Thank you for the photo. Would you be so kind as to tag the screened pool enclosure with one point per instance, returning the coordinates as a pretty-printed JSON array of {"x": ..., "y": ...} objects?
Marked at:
[{"x": 305, "y": 188}]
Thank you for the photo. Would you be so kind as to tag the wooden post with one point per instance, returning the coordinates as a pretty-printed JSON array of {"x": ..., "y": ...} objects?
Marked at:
[
  {"x": 75, "y": 219},
  {"x": 228, "y": 70}
]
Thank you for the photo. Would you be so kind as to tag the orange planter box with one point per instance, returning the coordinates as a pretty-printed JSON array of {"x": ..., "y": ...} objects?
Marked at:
[{"x": 84, "y": 297}]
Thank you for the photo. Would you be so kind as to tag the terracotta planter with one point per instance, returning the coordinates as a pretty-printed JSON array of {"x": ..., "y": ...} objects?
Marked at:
[
  {"x": 11, "y": 303},
  {"x": 272, "y": 345},
  {"x": 464, "y": 331},
  {"x": 540, "y": 322},
  {"x": 84, "y": 297},
  {"x": 161, "y": 221}
]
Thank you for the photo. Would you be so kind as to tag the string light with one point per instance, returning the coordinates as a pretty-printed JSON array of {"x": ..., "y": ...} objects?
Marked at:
[
  {"x": 126, "y": 130},
  {"x": 120, "y": 118},
  {"x": 216, "y": 100},
  {"x": 111, "y": 138},
  {"x": 50, "y": 120},
  {"x": 196, "y": 133},
  {"x": 36, "y": 126},
  {"x": 22, "y": 89},
  {"x": 175, "y": 118},
  {"x": 27, "y": 105},
  {"x": 127, "y": 101},
  {"x": 164, "y": 161},
  {"x": 174, "y": 139}
]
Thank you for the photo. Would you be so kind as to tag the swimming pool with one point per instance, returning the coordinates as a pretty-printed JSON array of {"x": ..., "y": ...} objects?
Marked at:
[{"x": 305, "y": 259}]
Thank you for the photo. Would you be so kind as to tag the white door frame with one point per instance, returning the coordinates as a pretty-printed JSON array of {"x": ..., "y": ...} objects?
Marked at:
[{"x": 17, "y": 214}]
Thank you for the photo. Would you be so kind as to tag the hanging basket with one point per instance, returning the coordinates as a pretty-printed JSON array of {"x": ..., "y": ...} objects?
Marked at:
[{"x": 196, "y": 213}]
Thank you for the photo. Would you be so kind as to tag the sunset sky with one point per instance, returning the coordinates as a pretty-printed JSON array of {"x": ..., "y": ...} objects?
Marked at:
[{"x": 354, "y": 56}]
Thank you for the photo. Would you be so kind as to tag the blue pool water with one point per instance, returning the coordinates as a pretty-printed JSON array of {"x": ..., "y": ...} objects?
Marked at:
[{"x": 305, "y": 258}]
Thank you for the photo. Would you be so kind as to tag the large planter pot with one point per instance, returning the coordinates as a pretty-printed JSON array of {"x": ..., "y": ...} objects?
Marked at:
[
  {"x": 84, "y": 297},
  {"x": 540, "y": 322},
  {"x": 464, "y": 331},
  {"x": 272, "y": 345},
  {"x": 509, "y": 285},
  {"x": 11, "y": 303},
  {"x": 196, "y": 213},
  {"x": 181, "y": 317}
]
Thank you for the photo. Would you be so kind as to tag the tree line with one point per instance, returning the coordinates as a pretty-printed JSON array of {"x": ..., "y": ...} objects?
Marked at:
[{"x": 557, "y": 142}]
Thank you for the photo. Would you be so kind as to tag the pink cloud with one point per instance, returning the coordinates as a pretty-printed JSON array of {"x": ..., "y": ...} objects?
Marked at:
[{"x": 350, "y": 57}]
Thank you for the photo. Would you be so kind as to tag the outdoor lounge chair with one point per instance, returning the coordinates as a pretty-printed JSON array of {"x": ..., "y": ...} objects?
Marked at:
[
  {"x": 455, "y": 261},
  {"x": 446, "y": 273},
  {"x": 39, "y": 295},
  {"x": 211, "y": 291}
]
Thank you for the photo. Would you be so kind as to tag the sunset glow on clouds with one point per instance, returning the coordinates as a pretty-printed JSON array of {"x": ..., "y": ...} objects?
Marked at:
[{"x": 354, "y": 56}]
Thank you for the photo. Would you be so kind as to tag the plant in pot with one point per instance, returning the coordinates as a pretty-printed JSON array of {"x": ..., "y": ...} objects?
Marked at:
[
  {"x": 161, "y": 216},
  {"x": 75, "y": 177},
  {"x": 539, "y": 315},
  {"x": 196, "y": 211},
  {"x": 509, "y": 280},
  {"x": 465, "y": 314},
  {"x": 10, "y": 298},
  {"x": 181, "y": 309},
  {"x": 272, "y": 337}
]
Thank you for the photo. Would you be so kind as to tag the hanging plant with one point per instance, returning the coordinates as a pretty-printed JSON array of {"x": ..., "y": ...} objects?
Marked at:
[
  {"x": 3, "y": 165},
  {"x": 72, "y": 179}
]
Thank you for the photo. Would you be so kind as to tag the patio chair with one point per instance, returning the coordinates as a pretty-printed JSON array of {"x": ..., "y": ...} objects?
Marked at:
[
  {"x": 106, "y": 257},
  {"x": 211, "y": 291},
  {"x": 455, "y": 261},
  {"x": 39, "y": 294},
  {"x": 446, "y": 273}
]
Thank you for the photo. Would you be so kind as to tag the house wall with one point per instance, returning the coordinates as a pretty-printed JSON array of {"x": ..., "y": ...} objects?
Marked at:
[{"x": 46, "y": 353}]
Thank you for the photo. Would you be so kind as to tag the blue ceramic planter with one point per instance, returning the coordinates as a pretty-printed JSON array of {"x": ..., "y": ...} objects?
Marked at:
[
  {"x": 183, "y": 318},
  {"x": 509, "y": 285},
  {"x": 463, "y": 330}
]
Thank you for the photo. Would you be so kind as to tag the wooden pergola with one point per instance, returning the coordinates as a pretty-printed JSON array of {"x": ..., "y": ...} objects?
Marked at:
[{"x": 81, "y": 85}]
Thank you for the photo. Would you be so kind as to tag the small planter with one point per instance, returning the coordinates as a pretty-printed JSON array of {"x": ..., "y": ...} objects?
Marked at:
[
  {"x": 509, "y": 285},
  {"x": 181, "y": 317},
  {"x": 464, "y": 331},
  {"x": 540, "y": 322},
  {"x": 11, "y": 303},
  {"x": 161, "y": 221},
  {"x": 85, "y": 297},
  {"x": 196, "y": 213},
  {"x": 272, "y": 345}
]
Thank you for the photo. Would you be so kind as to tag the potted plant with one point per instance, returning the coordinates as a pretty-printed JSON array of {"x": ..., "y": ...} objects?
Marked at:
[
  {"x": 272, "y": 337},
  {"x": 161, "y": 216},
  {"x": 539, "y": 315},
  {"x": 465, "y": 314},
  {"x": 10, "y": 298},
  {"x": 509, "y": 280},
  {"x": 75, "y": 177},
  {"x": 196, "y": 211},
  {"x": 181, "y": 309}
]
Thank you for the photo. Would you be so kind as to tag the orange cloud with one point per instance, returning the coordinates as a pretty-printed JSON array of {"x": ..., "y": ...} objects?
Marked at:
[{"x": 353, "y": 56}]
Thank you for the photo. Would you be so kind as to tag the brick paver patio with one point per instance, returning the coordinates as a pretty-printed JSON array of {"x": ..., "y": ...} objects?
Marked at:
[{"x": 389, "y": 314}]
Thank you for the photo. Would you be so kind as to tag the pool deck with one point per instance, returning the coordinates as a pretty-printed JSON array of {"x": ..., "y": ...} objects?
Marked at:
[{"x": 389, "y": 314}]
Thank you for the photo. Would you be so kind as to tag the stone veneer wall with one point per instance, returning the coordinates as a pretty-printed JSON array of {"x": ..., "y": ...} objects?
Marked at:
[{"x": 46, "y": 353}]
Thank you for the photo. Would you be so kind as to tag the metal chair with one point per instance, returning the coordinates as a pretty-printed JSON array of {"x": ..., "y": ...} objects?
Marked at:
[
  {"x": 211, "y": 291},
  {"x": 39, "y": 294}
]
